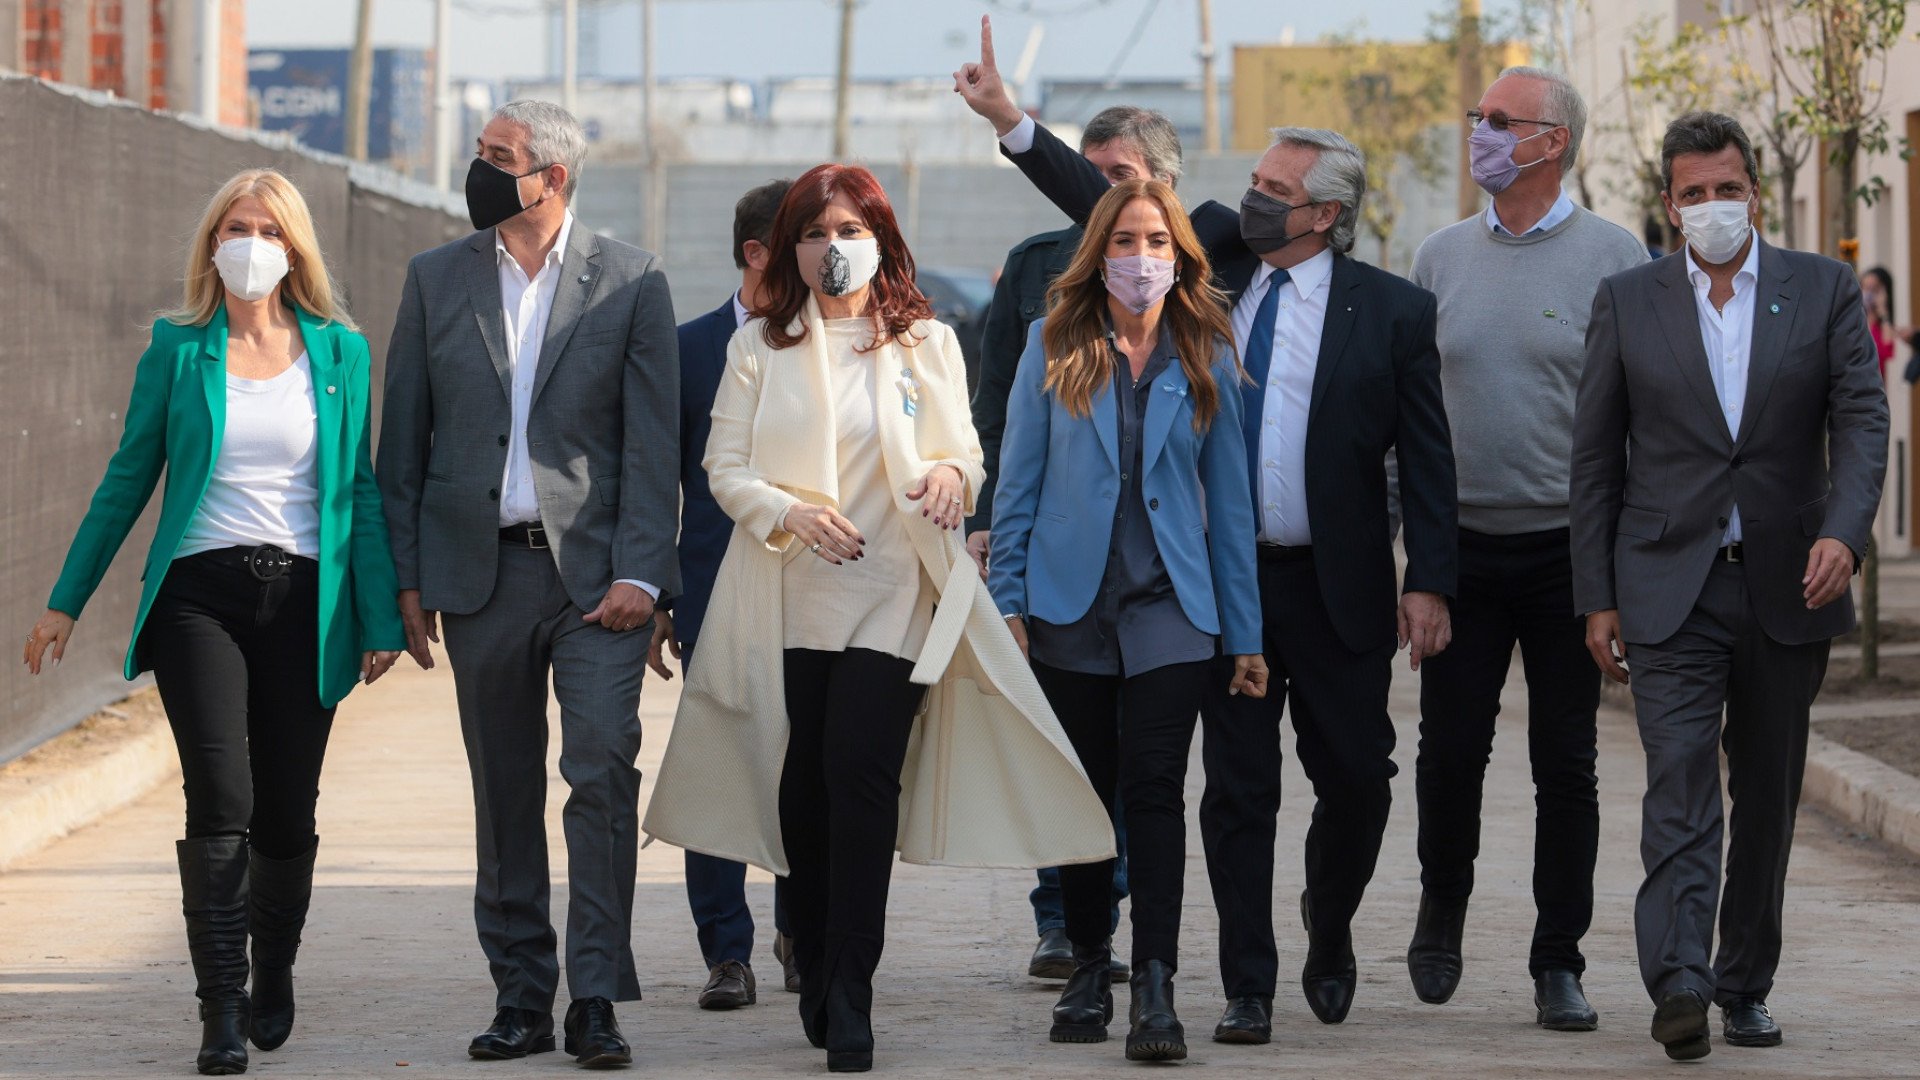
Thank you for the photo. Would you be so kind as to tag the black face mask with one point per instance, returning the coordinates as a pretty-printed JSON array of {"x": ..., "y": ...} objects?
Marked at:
[
  {"x": 1263, "y": 222},
  {"x": 493, "y": 193}
]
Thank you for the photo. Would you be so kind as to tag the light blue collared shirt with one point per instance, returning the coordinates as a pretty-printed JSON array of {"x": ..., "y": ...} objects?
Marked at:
[{"x": 1562, "y": 210}]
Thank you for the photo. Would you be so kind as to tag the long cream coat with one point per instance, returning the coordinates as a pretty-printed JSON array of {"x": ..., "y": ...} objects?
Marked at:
[{"x": 990, "y": 779}]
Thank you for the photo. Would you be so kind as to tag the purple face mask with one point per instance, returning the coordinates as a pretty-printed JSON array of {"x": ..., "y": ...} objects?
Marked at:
[
  {"x": 1491, "y": 157},
  {"x": 1140, "y": 281}
]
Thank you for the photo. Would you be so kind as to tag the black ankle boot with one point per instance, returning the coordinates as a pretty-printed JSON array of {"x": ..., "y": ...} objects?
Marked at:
[
  {"x": 1086, "y": 1007},
  {"x": 278, "y": 891},
  {"x": 1154, "y": 1032},
  {"x": 213, "y": 894},
  {"x": 850, "y": 961},
  {"x": 1433, "y": 957}
]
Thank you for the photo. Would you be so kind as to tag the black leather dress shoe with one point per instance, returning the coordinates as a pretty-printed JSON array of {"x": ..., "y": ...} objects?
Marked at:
[
  {"x": 1746, "y": 1022},
  {"x": 1052, "y": 957},
  {"x": 515, "y": 1034},
  {"x": 1433, "y": 957},
  {"x": 1248, "y": 1021},
  {"x": 1561, "y": 1003},
  {"x": 1330, "y": 975},
  {"x": 783, "y": 952},
  {"x": 729, "y": 986},
  {"x": 593, "y": 1038},
  {"x": 1680, "y": 1025}
]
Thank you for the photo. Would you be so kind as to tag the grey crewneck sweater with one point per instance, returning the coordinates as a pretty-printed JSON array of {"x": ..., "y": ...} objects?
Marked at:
[{"x": 1512, "y": 328}]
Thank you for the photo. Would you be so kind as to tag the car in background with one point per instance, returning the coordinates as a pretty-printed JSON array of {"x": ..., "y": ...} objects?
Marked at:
[{"x": 959, "y": 299}]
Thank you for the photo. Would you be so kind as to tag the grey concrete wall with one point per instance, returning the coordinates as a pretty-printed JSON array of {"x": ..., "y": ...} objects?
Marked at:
[{"x": 95, "y": 213}]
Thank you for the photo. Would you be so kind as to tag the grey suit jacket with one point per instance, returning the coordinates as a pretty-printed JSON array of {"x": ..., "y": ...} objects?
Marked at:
[
  {"x": 1656, "y": 472},
  {"x": 602, "y": 431}
]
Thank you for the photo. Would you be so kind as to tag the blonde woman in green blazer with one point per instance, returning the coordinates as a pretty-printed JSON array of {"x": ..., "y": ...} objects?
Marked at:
[{"x": 269, "y": 589}]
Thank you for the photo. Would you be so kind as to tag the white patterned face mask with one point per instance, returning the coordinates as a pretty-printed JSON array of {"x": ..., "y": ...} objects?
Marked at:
[
  {"x": 838, "y": 267},
  {"x": 250, "y": 266}
]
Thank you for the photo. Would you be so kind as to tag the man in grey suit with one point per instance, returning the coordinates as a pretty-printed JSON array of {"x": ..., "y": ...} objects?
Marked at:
[
  {"x": 530, "y": 470},
  {"x": 1728, "y": 449}
]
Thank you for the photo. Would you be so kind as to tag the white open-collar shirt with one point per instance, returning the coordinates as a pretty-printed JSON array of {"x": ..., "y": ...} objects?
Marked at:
[
  {"x": 1727, "y": 336},
  {"x": 527, "y": 304}
]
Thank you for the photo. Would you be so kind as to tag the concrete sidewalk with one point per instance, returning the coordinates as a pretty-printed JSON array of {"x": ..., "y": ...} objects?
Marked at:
[{"x": 94, "y": 977}]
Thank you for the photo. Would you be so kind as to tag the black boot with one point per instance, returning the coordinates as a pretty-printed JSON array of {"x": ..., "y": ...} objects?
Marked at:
[
  {"x": 213, "y": 894},
  {"x": 809, "y": 963},
  {"x": 850, "y": 960},
  {"x": 1154, "y": 1032},
  {"x": 1086, "y": 1006},
  {"x": 278, "y": 893},
  {"x": 1433, "y": 958}
]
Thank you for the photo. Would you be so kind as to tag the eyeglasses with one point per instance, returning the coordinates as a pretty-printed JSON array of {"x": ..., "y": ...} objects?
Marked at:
[{"x": 1499, "y": 121}]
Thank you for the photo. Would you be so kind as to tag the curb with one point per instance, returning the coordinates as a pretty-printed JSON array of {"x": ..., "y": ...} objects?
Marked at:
[
  {"x": 43, "y": 800},
  {"x": 1873, "y": 797}
]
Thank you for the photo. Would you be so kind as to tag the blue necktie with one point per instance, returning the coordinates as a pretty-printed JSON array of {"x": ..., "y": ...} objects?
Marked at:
[{"x": 1257, "y": 359}]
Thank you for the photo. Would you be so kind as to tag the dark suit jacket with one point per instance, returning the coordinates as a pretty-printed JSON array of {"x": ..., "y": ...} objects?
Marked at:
[
  {"x": 1376, "y": 388},
  {"x": 704, "y": 527},
  {"x": 1656, "y": 473},
  {"x": 1019, "y": 300}
]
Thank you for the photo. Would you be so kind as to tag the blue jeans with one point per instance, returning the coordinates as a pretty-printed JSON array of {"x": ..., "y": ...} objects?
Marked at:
[{"x": 1048, "y": 914}]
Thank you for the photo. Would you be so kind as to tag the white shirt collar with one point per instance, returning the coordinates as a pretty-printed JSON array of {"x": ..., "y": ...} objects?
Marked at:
[
  {"x": 1749, "y": 269},
  {"x": 740, "y": 314},
  {"x": 1561, "y": 210},
  {"x": 555, "y": 256},
  {"x": 1306, "y": 276}
]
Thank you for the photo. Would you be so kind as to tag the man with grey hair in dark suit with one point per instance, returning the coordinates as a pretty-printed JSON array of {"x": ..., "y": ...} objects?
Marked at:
[
  {"x": 529, "y": 468},
  {"x": 1729, "y": 445}
]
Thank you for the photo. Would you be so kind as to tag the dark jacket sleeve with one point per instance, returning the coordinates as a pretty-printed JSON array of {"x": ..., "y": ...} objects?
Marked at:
[
  {"x": 406, "y": 429},
  {"x": 1061, "y": 173},
  {"x": 1001, "y": 341},
  {"x": 1597, "y": 475},
  {"x": 1423, "y": 447},
  {"x": 1856, "y": 422},
  {"x": 644, "y": 537}
]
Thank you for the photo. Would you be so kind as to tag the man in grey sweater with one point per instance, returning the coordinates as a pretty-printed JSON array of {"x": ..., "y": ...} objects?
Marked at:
[{"x": 1515, "y": 286}]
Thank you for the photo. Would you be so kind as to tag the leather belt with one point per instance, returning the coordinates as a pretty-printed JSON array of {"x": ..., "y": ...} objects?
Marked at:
[
  {"x": 525, "y": 534},
  {"x": 1283, "y": 553},
  {"x": 1732, "y": 553}
]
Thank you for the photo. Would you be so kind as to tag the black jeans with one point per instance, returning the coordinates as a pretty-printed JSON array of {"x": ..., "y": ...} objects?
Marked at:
[
  {"x": 236, "y": 661},
  {"x": 851, "y": 714},
  {"x": 1144, "y": 757},
  {"x": 1514, "y": 589},
  {"x": 1345, "y": 739}
]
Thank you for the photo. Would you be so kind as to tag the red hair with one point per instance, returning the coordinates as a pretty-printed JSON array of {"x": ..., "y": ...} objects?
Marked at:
[{"x": 894, "y": 300}]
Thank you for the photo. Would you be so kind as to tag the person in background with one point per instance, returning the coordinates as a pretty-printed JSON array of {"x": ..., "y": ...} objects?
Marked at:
[
  {"x": 1729, "y": 446},
  {"x": 1123, "y": 434},
  {"x": 1125, "y": 142},
  {"x": 1514, "y": 286},
  {"x": 269, "y": 588},
  {"x": 716, "y": 888},
  {"x": 843, "y": 450},
  {"x": 1876, "y": 292},
  {"x": 529, "y": 457}
]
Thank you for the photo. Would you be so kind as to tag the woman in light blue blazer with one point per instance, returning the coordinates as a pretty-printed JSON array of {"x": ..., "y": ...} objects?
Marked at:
[{"x": 1123, "y": 559}]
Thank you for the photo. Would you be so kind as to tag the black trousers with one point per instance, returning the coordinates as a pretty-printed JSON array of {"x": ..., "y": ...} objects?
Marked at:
[
  {"x": 851, "y": 714},
  {"x": 1514, "y": 589},
  {"x": 1144, "y": 758},
  {"x": 236, "y": 662},
  {"x": 1345, "y": 739}
]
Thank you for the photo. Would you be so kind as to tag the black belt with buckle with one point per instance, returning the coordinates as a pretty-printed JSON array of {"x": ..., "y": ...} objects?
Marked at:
[
  {"x": 1733, "y": 553},
  {"x": 1284, "y": 553},
  {"x": 525, "y": 534},
  {"x": 268, "y": 563}
]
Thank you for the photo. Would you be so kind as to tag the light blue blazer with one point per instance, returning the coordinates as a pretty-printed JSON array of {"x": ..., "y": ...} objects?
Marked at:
[{"x": 1058, "y": 486}]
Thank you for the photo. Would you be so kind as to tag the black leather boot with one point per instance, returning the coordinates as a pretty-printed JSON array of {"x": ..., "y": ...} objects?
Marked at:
[
  {"x": 1433, "y": 958},
  {"x": 1085, "y": 1008},
  {"x": 213, "y": 897},
  {"x": 1153, "y": 1031},
  {"x": 850, "y": 960},
  {"x": 810, "y": 963},
  {"x": 278, "y": 893}
]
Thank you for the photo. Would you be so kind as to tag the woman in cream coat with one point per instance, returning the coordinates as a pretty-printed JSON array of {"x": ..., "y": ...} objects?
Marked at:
[{"x": 905, "y": 717}]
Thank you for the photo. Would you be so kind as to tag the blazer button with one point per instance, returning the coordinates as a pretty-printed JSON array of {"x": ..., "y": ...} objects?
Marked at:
[
  {"x": 1722, "y": 522},
  {"x": 1153, "y": 504},
  {"x": 503, "y": 440},
  {"x": 494, "y": 494},
  {"x": 1739, "y": 461}
]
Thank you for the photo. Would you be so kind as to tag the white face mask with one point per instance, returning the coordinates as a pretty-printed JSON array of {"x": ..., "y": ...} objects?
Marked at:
[
  {"x": 250, "y": 266},
  {"x": 840, "y": 266},
  {"x": 1717, "y": 229}
]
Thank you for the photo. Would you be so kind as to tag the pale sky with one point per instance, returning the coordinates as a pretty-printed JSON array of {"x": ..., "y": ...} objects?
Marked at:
[{"x": 758, "y": 39}]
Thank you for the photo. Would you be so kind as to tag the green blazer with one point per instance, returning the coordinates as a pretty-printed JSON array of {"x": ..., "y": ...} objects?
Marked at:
[{"x": 176, "y": 420}]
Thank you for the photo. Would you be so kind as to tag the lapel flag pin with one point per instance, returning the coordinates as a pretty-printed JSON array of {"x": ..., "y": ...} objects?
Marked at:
[
  {"x": 584, "y": 278},
  {"x": 1550, "y": 313},
  {"x": 1775, "y": 309}
]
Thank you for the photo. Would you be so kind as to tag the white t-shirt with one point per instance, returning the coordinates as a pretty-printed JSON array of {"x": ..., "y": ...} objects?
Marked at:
[{"x": 263, "y": 489}]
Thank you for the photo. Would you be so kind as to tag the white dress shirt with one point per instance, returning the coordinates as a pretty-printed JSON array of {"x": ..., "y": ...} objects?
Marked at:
[
  {"x": 1297, "y": 324},
  {"x": 1728, "y": 338},
  {"x": 740, "y": 315},
  {"x": 1020, "y": 139},
  {"x": 528, "y": 304}
]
